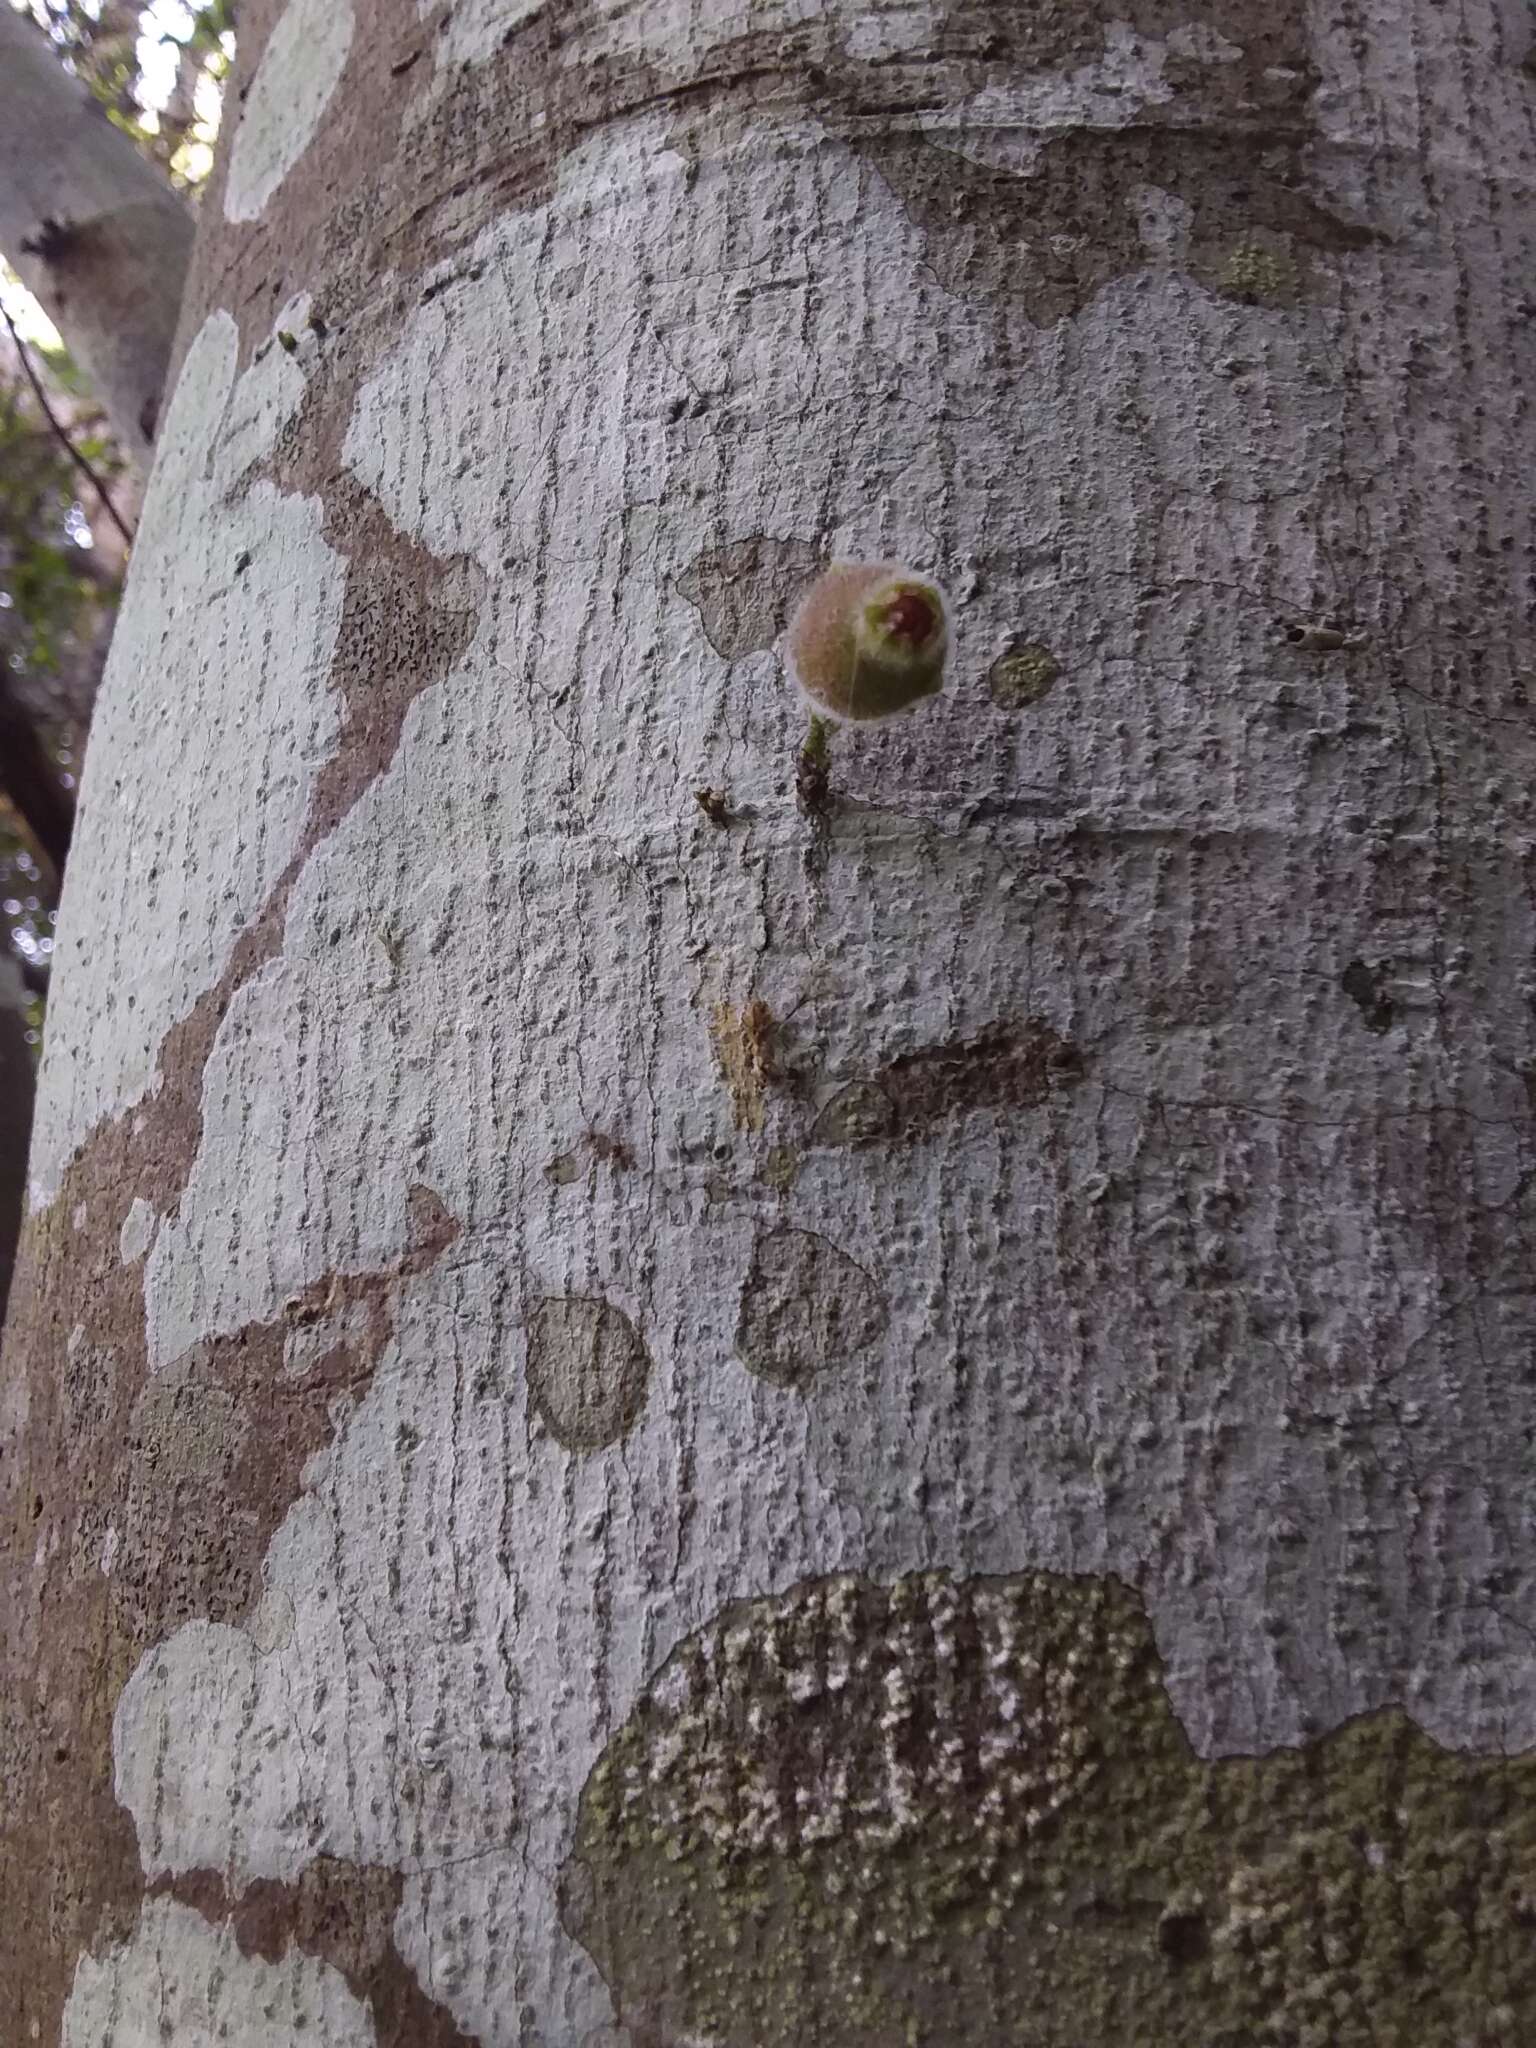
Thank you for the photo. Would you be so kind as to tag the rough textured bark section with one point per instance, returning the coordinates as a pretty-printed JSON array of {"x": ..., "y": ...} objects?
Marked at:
[
  {"x": 598, "y": 296},
  {"x": 962, "y": 1811},
  {"x": 162, "y": 1512},
  {"x": 92, "y": 230}
]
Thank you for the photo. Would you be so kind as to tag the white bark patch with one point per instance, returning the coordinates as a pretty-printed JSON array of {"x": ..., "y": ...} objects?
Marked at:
[
  {"x": 180, "y": 1982},
  {"x": 137, "y": 1233},
  {"x": 1007, "y": 126},
  {"x": 891, "y": 31},
  {"x": 271, "y": 1624},
  {"x": 299, "y": 68},
  {"x": 214, "y": 707},
  {"x": 476, "y": 29},
  {"x": 659, "y": 29}
]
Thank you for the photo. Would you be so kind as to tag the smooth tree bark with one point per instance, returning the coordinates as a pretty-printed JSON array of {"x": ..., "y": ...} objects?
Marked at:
[
  {"x": 678, "y": 1378},
  {"x": 92, "y": 229}
]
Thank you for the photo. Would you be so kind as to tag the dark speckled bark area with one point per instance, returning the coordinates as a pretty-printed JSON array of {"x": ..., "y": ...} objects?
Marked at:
[{"x": 957, "y": 1813}]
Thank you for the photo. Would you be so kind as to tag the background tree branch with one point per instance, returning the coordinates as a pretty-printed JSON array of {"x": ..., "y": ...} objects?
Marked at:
[{"x": 92, "y": 229}]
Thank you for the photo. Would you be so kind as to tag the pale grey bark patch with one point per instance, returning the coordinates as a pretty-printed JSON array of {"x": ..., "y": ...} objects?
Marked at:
[
  {"x": 137, "y": 1233},
  {"x": 210, "y": 711},
  {"x": 806, "y": 1307},
  {"x": 745, "y": 591},
  {"x": 587, "y": 1370},
  {"x": 179, "y": 1979},
  {"x": 300, "y": 66}
]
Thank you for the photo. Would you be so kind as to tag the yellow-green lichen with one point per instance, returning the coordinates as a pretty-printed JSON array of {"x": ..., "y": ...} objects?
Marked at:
[
  {"x": 944, "y": 1811},
  {"x": 1022, "y": 676},
  {"x": 1260, "y": 270}
]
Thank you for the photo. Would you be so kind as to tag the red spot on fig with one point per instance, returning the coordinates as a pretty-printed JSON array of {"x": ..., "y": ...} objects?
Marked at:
[{"x": 909, "y": 616}]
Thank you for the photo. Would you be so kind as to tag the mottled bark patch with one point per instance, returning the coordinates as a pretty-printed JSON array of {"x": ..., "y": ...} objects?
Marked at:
[
  {"x": 342, "y": 1912},
  {"x": 1055, "y": 238},
  {"x": 805, "y": 1308},
  {"x": 136, "y": 1504},
  {"x": 281, "y": 108},
  {"x": 249, "y": 266},
  {"x": 950, "y": 1811},
  {"x": 744, "y": 592},
  {"x": 587, "y": 1370},
  {"x": 1022, "y": 142},
  {"x": 1010, "y": 1067},
  {"x": 156, "y": 1502}
]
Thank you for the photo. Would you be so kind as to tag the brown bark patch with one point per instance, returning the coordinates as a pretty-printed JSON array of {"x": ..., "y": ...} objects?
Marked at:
[
  {"x": 587, "y": 1370},
  {"x": 1055, "y": 238},
  {"x": 744, "y": 592},
  {"x": 744, "y": 1049},
  {"x": 343, "y": 1913},
  {"x": 805, "y": 1308},
  {"x": 252, "y": 268},
  {"x": 1011, "y": 1067}
]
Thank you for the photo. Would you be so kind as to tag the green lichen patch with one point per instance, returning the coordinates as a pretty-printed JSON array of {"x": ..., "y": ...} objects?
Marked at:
[
  {"x": 780, "y": 1169},
  {"x": 947, "y": 1811},
  {"x": 813, "y": 769},
  {"x": 1022, "y": 676},
  {"x": 1261, "y": 270}
]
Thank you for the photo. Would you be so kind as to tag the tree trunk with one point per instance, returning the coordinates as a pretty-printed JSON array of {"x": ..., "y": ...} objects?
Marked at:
[
  {"x": 91, "y": 229},
  {"x": 681, "y": 1378},
  {"x": 16, "y": 1085},
  {"x": 31, "y": 780}
]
